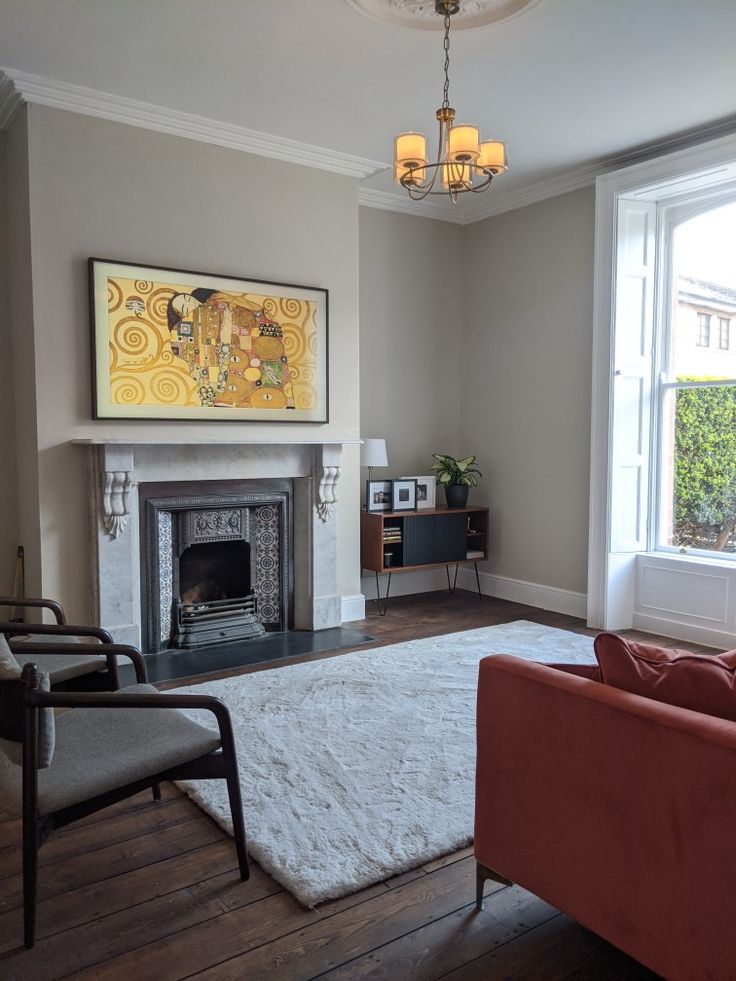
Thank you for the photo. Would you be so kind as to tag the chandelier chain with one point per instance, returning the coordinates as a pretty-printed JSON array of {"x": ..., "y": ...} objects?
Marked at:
[{"x": 446, "y": 99}]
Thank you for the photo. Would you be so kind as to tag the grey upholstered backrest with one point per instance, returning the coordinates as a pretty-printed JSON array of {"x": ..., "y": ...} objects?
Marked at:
[{"x": 12, "y": 706}]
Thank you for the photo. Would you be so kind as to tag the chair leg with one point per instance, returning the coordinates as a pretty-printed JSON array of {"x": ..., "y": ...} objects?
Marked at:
[
  {"x": 30, "y": 879},
  {"x": 236, "y": 811}
]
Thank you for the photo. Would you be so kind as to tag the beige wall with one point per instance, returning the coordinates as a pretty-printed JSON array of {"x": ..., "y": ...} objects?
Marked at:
[
  {"x": 104, "y": 189},
  {"x": 525, "y": 382},
  {"x": 20, "y": 464},
  {"x": 8, "y": 476},
  {"x": 472, "y": 339},
  {"x": 410, "y": 318}
]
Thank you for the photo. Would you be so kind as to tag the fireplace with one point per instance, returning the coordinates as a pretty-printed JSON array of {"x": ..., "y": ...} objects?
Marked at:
[
  {"x": 216, "y": 562},
  {"x": 307, "y": 470}
]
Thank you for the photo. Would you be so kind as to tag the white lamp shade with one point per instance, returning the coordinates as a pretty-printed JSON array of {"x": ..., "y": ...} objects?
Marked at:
[
  {"x": 410, "y": 149},
  {"x": 373, "y": 453},
  {"x": 493, "y": 156},
  {"x": 455, "y": 176},
  {"x": 464, "y": 143}
]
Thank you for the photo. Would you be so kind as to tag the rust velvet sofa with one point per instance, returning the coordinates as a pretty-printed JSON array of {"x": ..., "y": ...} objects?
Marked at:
[{"x": 616, "y": 809}]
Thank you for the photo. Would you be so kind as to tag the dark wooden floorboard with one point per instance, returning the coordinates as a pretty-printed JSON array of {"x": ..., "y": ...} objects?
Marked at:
[{"x": 151, "y": 891}]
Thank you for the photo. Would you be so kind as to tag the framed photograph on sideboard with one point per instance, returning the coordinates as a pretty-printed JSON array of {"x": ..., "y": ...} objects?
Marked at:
[
  {"x": 404, "y": 494},
  {"x": 378, "y": 495},
  {"x": 426, "y": 491}
]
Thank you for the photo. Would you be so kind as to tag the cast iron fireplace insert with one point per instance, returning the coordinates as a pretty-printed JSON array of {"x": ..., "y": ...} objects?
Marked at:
[{"x": 216, "y": 563}]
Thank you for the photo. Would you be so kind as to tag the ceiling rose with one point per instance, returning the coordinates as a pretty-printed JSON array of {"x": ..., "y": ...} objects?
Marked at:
[{"x": 422, "y": 14}]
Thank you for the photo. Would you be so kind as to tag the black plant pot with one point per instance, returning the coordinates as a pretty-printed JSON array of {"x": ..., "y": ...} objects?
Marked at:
[{"x": 456, "y": 495}]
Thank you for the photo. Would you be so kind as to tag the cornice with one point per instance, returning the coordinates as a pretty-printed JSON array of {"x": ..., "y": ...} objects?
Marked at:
[
  {"x": 90, "y": 102},
  {"x": 10, "y": 100},
  {"x": 585, "y": 176},
  {"x": 405, "y": 206},
  {"x": 17, "y": 87}
]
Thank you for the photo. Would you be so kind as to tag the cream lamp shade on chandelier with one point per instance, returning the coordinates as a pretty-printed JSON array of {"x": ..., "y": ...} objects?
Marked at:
[
  {"x": 373, "y": 453},
  {"x": 464, "y": 162}
]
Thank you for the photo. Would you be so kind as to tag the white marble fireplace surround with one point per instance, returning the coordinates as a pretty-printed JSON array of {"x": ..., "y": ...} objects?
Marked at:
[{"x": 118, "y": 466}]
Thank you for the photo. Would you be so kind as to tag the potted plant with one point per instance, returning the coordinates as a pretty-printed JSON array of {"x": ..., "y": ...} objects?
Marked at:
[{"x": 456, "y": 476}]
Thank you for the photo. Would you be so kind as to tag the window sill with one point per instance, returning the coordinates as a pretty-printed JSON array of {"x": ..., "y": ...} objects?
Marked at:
[{"x": 677, "y": 558}]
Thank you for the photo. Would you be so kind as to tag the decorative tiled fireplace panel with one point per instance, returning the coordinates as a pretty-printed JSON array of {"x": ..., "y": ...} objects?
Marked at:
[{"x": 175, "y": 524}]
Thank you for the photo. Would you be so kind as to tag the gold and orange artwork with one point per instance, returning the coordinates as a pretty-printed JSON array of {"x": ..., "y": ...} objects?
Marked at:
[{"x": 205, "y": 348}]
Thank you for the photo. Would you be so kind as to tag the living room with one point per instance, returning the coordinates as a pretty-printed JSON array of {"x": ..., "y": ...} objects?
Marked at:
[{"x": 252, "y": 143}]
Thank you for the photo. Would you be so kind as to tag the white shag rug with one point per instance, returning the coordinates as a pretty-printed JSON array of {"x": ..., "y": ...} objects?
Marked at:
[{"x": 360, "y": 767}]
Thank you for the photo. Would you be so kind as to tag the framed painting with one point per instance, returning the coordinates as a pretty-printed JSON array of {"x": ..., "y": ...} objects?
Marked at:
[{"x": 173, "y": 344}]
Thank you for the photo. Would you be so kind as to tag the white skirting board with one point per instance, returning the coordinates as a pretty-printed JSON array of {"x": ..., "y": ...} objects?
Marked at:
[
  {"x": 515, "y": 590},
  {"x": 529, "y": 593},
  {"x": 353, "y": 608},
  {"x": 404, "y": 583}
]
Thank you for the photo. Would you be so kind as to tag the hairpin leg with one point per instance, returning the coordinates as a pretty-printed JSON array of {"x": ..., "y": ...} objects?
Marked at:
[
  {"x": 477, "y": 580},
  {"x": 454, "y": 581},
  {"x": 382, "y": 604}
]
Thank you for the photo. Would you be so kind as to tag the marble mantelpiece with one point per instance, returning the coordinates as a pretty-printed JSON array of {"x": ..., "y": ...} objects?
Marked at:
[{"x": 118, "y": 466}]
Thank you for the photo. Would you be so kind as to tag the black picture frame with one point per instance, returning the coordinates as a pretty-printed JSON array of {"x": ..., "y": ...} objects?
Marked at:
[
  {"x": 378, "y": 495},
  {"x": 152, "y": 321}
]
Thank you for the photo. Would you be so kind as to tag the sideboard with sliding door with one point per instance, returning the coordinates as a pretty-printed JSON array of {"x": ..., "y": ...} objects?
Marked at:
[{"x": 400, "y": 541}]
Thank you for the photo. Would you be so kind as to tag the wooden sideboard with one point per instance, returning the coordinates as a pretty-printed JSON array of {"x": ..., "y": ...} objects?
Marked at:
[{"x": 399, "y": 541}]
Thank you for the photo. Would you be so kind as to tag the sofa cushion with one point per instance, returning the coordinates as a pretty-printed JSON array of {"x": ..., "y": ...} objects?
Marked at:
[{"x": 701, "y": 682}]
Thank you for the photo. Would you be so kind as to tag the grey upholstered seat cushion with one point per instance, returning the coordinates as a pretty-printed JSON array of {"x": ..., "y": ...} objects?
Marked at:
[
  {"x": 98, "y": 750},
  {"x": 61, "y": 667},
  {"x": 47, "y": 638}
]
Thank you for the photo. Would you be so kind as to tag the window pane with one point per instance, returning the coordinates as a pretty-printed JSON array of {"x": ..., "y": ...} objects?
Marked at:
[
  {"x": 704, "y": 296},
  {"x": 699, "y": 469}
]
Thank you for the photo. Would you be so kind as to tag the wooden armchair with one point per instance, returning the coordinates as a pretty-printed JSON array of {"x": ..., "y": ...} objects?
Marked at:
[
  {"x": 111, "y": 746},
  {"x": 57, "y": 657}
]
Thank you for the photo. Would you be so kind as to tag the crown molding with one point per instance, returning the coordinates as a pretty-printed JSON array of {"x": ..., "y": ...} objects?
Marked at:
[
  {"x": 10, "y": 101},
  {"x": 405, "y": 206},
  {"x": 18, "y": 87},
  {"x": 585, "y": 176},
  {"x": 104, "y": 105}
]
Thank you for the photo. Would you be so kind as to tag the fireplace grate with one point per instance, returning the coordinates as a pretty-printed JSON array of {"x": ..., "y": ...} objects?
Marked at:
[{"x": 218, "y": 621}]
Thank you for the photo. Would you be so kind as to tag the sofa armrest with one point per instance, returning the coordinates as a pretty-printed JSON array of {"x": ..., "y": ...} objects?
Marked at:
[
  {"x": 590, "y": 671},
  {"x": 615, "y": 808}
]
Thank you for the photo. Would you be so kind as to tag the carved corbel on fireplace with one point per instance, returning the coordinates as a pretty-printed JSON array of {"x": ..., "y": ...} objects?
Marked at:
[{"x": 117, "y": 464}]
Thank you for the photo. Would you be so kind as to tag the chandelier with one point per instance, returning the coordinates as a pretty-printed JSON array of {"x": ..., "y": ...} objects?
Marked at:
[{"x": 463, "y": 163}]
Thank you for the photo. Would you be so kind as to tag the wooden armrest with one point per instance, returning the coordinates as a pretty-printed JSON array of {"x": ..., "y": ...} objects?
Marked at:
[{"x": 25, "y": 603}]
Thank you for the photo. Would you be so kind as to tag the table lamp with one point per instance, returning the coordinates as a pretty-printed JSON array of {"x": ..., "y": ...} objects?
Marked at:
[{"x": 373, "y": 454}]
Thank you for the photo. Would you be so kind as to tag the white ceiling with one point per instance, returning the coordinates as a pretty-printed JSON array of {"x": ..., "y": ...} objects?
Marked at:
[{"x": 566, "y": 83}]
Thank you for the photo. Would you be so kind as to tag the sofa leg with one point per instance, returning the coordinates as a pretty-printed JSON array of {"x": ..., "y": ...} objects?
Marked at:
[{"x": 482, "y": 873}]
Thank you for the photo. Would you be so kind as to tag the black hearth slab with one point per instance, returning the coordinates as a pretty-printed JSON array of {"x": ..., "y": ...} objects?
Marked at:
[{"x": 171, "y": 665}]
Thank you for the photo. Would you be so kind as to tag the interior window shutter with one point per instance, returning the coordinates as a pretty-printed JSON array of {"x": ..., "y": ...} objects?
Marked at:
[{"x": 632, "y": 364}]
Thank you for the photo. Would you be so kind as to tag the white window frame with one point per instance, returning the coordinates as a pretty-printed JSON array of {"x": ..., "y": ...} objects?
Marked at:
[
  {"x": 671, "y": 216},
  {"x": 700, "y": 174}
]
